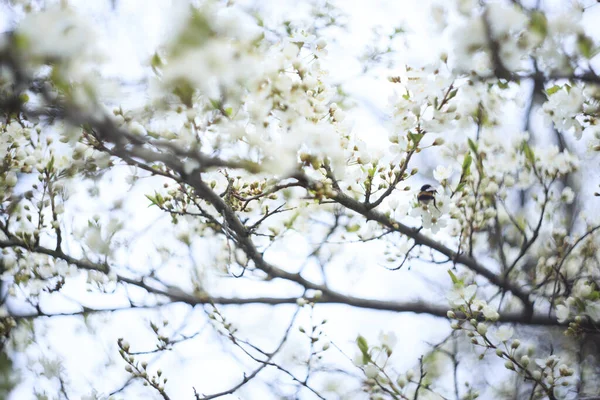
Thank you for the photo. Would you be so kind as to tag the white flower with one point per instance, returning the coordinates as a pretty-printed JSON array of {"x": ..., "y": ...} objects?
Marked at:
[
  {"x": 11, "y": 179},
  {"x": 57, "y": 33},
  {"x": 59, "y": 209},
  {"x": 492, "y": 188},
  {"x": 562, "y": 313},
  {"x": 301, "y": 37},
  {"x": 190, "y": 165},
  {"x": 52, "y": 367},
  {"x": 506, "y": 18},
  {"x": 137, "y": 129},
  {"x": 469, "y": 292},
  {"x": 290, "y": 50},
  {"x": 454, "y": 299},
  {"x": 509, "y": 181},
  {"x": 504, "y": 333},
  {"x": 95, "y": 241},
  {"x": 371, "y": 371},
  {"x": 566, "y": 22},
  {"x": 358, "y": 359},
  {"x": 567, "y": 196},
  {"x": 461, "y": 295},
  {"x": 442, "y": 173},
  {"x": 592, "y": 130},
  {"x": 563, "y": 106},
  {"x": 490, "y": 313},
  {"x": 10, "y": 261},
  {"x": 582, "y": 289},
  {"x": 593, "y": 310},
  {"x": 466, "y": 6},
  {"x": 469, "y": 39},
  {"x": 339, "y": 115},
  {"x": 232, "y": 21},
  {"x": 388, "y": 339}
]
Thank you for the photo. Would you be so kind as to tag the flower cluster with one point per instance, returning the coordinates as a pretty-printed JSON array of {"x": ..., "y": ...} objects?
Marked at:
[{"x": 473, "y": 316}]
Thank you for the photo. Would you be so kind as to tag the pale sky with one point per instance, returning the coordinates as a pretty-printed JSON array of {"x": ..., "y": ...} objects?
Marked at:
[{"x": 132, "y": 32}]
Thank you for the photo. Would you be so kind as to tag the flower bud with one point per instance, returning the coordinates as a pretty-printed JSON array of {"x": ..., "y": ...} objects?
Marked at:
[
  {"x": 301, "y": 301},
  {"x": 11, "y": 179},
  {"x": 401, "y": 381},
  {"x": 482, "y": 329}
]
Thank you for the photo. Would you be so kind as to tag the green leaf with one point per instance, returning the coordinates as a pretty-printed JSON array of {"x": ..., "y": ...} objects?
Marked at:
[
  {"x": 455, "y": 280},
  {"x": 473, "y": 146},
  {"x": 552, "y": 90},
  {"x": 529, "y": 155},
  {"x": 20, "y": 41},
  {"x": 9, "y": 376},
  {"x": 363, "y": 346},
  {"x": 156, "y": 62},
  {"x": 51, "y": 164},
  {"x": 57, "y": 78},
  {"x": 194, "y": 34},
  {"x": 259, "y": 20},
  {"x": 451, "y": 95},
  {"x": 466, "y": 165},
  {"x": 289, "y": 224},
  {"x": 185, "y": 92},
  {"x": 585, "y": 45},
  {"x": 353, "y": 228},
  {"x": 415, "y": 137},
  {"x": 154, "y": 135},
  {"x": 216, "y": 104},
  {"x": 152, "y": 200},
  {"x": 539, "y": 24}
]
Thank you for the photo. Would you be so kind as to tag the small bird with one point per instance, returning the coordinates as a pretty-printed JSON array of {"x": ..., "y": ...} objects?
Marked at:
[{"x": 426, "y": 194}]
